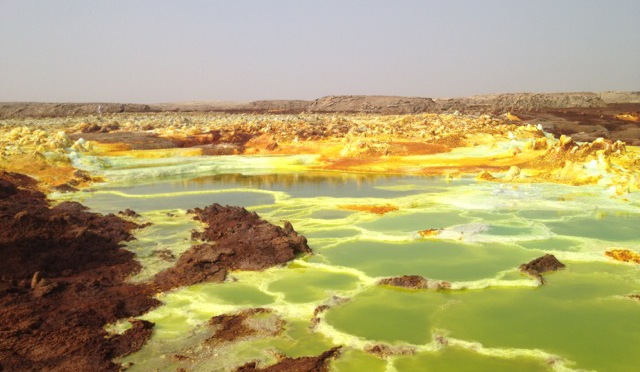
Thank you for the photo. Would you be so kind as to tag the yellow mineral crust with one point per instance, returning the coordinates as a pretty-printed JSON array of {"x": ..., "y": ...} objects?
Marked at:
[
  {"x": 495, "y": 149},
  {"x": 429, "y": 232}
]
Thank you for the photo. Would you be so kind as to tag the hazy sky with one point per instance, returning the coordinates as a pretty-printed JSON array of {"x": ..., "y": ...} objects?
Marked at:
[{"x": 159, "y": 51}]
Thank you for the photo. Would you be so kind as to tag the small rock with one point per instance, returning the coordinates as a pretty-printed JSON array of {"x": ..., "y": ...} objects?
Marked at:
[
  {"x": 384, "y": 350},
  {"x": 414, "y": 282},
  {"x": 129, "y": 213},
  {"x": 541, "y": 265}
]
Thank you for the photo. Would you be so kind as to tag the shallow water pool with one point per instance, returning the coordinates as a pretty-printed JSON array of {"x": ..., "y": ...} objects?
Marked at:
[{"x": 493, "y": 317}]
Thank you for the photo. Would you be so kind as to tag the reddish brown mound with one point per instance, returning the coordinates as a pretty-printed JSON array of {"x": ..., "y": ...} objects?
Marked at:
[
  {"x": 231, "y": 326},
  {"x": 541, "y": 265},
  {"x": 414, "y": 282},
  {"x": 318, "y": 363},
  {"x": 134, "y": 338},
  {"x": 240, "y": 240},
  {"x": 61, "y": 281}
]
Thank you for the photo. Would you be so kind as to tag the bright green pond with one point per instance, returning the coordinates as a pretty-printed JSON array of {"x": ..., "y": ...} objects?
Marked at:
[{"x": 493, "y": 319}]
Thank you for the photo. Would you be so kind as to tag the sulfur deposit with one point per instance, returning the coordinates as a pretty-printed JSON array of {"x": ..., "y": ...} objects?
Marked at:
[{"x": 426, "y": 144}]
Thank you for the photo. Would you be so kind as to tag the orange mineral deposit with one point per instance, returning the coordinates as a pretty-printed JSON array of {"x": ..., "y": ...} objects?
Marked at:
[
  {"x": 376, "y": 209},
  {"x": 624, "y": 255}
]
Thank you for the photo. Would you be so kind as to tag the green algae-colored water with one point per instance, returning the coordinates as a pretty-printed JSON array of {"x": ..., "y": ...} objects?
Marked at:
[{"x": 492, "y": 319}]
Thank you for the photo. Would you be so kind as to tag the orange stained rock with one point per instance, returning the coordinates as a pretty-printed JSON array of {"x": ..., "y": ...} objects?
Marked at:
[
  {"x": 48, "y": 174},
  {"x": 376, "y": 209},
  {"x": 428, "y": 232},
  {"x": 486, "y": 176},
  {"x": 624, "y": 255},
  {"x": 122, "y": 150},
  {"x": 261, "y": 143}
]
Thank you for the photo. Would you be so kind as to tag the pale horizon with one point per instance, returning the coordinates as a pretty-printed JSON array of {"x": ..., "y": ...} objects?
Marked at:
[{"x": 241, "y": 51}]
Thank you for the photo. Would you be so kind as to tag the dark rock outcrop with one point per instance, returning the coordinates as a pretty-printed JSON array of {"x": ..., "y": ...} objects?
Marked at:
[
  {"x": 133, "y": 338},
  {"x": 318, "y": 363},
  {"x": 520, "y": 102},
  {"x": 235, "y": 327},
  {"x": 542, "y": 265},
  {"x": 235, "y": 239},
  {"x": 129, "y": 213},
  {"x": 62, "y": 279},
  {"x": 41, "y": 110}
]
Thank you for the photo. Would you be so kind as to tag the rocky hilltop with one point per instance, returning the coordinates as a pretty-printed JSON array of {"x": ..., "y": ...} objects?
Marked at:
[
  {"x": 521, "y": 102},
  {"x": 620, "y": 97},
  {"x": 374, "y": 104}
]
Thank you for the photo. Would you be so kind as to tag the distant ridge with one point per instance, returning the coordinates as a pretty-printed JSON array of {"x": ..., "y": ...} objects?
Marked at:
[{"x": 490, "y": 103}]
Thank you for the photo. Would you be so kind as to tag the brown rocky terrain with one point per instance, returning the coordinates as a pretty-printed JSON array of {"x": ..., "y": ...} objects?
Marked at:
[
  {"x": 318, "y": 363},
  {"x": 520, "y": 102},
  {"x": 62, "y": 279},
  {"x": 235, "y": 239},
  {"x": 64, "y": 275}
]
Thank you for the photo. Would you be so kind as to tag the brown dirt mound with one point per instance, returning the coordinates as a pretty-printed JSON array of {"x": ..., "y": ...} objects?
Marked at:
[
  {"x": 236, "y": 239},
  {"x": 61, "y": 281}
]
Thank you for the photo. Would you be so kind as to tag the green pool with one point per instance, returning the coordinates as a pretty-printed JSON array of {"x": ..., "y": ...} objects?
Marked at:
[{"x": 492, "y": 319}]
